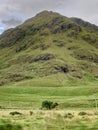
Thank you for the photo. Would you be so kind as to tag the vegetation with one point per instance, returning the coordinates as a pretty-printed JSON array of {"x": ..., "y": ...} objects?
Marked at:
[
  {"x": 28, "y": 97},
  {"x": 49, "y": 105},
  {"x": 68, "y": 115},
  {"x": 15, "y": 113},
  {"x": 50, "y": 60},
  {"x": 82, "y": 113},
  {"x": 6, "y": 124},
  {"x": 49, "y": 46},
  {"x": 50, "y": 120},
  {"x": 85, "y": 24}
]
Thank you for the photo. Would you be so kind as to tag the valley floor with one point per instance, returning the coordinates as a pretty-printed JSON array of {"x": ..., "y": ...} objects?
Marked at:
[
  {"x": 20, "y": 108},
  {"x": 48, "y": 120}
]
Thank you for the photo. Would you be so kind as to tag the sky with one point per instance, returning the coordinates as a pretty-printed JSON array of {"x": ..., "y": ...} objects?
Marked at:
[{"x": 15, "y": 12}]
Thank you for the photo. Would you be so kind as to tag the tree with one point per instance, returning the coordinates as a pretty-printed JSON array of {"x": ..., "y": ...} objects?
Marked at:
[{"x": 49, "y": 105}]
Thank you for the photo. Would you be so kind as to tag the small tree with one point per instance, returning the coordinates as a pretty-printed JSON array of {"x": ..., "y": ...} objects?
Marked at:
[{"x": 49, "y": 105}]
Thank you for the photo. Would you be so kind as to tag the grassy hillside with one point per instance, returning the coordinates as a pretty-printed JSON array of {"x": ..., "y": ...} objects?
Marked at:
[
  {"x": 51, "y": 50},
  {"x": 89, "y": 26}
]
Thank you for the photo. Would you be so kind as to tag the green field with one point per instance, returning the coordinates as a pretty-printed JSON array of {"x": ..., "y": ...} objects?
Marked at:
[
  {"x": 32, "y": 97},
  {"x": 26, "y": 99}
]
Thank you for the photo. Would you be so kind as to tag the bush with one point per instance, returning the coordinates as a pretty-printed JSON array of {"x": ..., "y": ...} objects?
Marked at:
[
  {"x": 68, "y": 115},
  {"x": 15, "y": 113},
  {"x": 31, "y": 113},
  {"x": 49, "y": 105},
  {"x": 82, "y": 113}
]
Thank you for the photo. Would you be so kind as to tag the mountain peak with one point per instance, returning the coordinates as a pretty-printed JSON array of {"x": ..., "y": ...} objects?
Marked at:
[
  {"x": 46, "y": 13},
  {"x": 48, "y": 45}
]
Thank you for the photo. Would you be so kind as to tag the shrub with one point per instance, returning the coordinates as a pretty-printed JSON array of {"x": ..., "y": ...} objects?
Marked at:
[
  {"x": 68, "y": 115},
  {"x": 82, "y": 113},
  {"x": 15, "y": 113},
  {"x": 49, "y": 105},
  {"x": 31, "y": 113}
]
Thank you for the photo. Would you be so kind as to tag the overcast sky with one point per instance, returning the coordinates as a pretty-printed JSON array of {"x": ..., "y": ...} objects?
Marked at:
[{"x": 14, "y": 12}]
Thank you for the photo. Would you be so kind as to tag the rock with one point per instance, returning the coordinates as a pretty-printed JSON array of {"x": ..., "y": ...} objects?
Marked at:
[
  {"x": 43, "y": 57},
  {"x": 62, "y": 69}
]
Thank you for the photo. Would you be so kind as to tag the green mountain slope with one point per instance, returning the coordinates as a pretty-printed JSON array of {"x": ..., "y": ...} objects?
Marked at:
[
  {"x": 49, "y": 50},
  {"x": 85, "y": 24}
]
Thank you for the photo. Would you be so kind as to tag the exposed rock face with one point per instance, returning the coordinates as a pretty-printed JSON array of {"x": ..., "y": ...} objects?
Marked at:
[
  {"x": 43, "y": 57},
  {"x": 65, "y": 27}
]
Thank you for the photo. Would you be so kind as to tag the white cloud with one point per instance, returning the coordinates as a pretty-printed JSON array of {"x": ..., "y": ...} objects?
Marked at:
[
  {"x": 14, "y": 12},
  {"x": 85, "y": 9}
]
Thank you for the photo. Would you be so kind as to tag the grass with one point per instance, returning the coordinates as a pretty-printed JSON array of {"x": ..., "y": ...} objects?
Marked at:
[
  {"x": 6, "y": 124},
  {"x": 32, "y": 97},
  {"x": 26, "y": 83},
  {"x": 75, "y": 53},
  {"x": 50, "y": 120}
]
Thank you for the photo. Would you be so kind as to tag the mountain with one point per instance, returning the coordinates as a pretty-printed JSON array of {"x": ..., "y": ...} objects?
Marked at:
[
  {"x": 49, "y": 50},
  {"x": 85, "y": 24}
]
